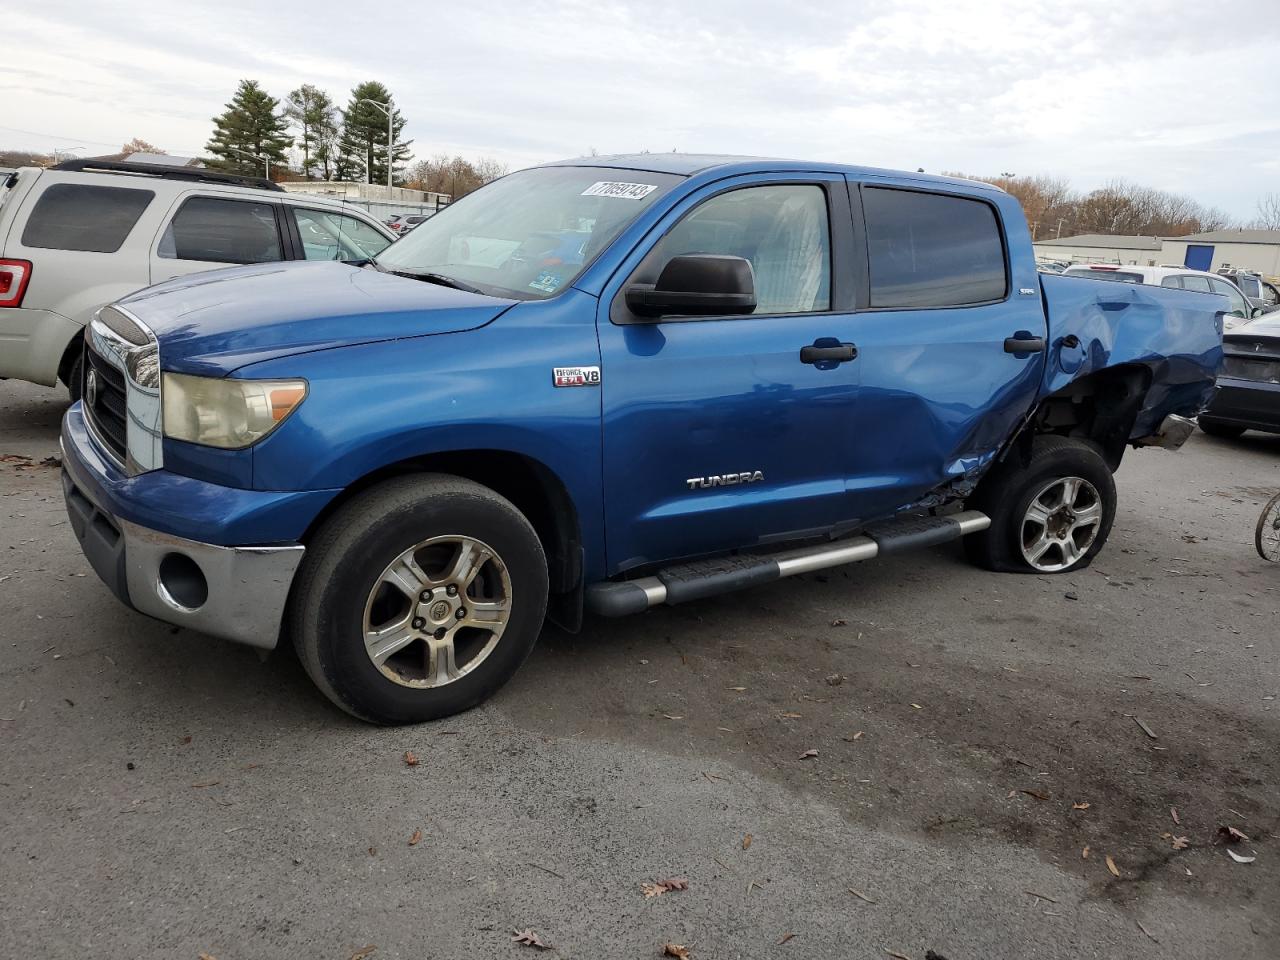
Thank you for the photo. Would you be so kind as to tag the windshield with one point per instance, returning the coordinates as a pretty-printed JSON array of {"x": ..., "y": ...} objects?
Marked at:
[
  {"x": 528, "y": 235},
  {"x": 1117, "y": 275}
]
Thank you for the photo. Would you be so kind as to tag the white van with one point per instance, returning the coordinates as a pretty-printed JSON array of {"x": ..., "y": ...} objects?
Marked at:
[
  {"x": 87, "y": 232},
  {"x": 1182, "y": 278}
]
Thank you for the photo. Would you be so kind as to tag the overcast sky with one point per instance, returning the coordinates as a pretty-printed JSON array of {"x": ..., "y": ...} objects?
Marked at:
[{"x": 1182, "y": 95}]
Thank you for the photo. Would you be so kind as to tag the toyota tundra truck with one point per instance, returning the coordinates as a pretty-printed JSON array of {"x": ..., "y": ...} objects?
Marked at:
[{"x": 601, "y": 385}]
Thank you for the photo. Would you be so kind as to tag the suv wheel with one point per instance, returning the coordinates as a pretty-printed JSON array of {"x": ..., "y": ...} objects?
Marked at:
[
  {"x": 419, "y": 599},
  {"x": 1051, "y": 516},
  {"x": 75, "y": 377}
]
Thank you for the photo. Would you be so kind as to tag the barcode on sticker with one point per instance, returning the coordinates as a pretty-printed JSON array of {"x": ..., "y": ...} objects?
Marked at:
[{"x": 624, "y": 191}]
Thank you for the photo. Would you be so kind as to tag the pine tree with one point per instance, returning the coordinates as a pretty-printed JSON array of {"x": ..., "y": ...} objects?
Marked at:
[
  {"x": 249, "y": 128},
  {"x": 311, "y": 109},
  {"x": 364, "y": 136}
]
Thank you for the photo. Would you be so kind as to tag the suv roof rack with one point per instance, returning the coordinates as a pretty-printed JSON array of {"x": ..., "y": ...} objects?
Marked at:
[{"x": 197, "y": 174}]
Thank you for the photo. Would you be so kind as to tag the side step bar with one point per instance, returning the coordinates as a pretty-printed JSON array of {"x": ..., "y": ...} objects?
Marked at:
[{"x": 705, "y": 578}]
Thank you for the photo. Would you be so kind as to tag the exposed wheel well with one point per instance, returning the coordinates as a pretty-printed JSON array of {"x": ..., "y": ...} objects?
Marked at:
[
  {"x": 532, "y": 487},
  {"x": 1100, "y": 408}
]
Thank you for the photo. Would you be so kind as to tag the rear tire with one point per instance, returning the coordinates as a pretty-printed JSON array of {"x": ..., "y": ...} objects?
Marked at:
[
  {"x": 1051, "y": 516},
  {"x": 418, "y": 599},
  {"x": 75, "y": 377},
  {"x": 1216, "y": 428}
]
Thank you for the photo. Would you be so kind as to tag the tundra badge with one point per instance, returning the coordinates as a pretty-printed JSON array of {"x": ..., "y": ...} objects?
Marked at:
[
  {"x": 724, "y": 480},
  {"x": 575, "y": 376}
]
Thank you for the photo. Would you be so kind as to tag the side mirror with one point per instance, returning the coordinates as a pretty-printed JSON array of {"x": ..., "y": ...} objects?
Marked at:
[
  {"x": 1256, "y": 312},
  {"x": 696, "y": 284}
]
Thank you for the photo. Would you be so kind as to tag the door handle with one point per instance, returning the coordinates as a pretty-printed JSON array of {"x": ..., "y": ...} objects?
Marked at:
[
  {"x": 1023, "y": 342},
  {"x": 834, "y": 353}
]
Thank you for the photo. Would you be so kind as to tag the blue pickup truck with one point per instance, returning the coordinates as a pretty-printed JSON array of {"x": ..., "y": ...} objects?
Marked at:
[{"x": 606, "y": 384}]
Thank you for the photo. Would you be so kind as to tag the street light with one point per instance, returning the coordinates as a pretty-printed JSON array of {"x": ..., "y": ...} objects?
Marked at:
[
  {"x": 385, "y": 108},
  {"x": 256, "y": 156}
]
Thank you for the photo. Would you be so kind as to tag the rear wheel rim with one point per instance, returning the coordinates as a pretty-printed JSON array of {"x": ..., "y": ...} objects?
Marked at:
[
  {"x": 1267, "y": 534},
  {"x": 437, "y": 611},
  {"x": 1060, "y": 524}
]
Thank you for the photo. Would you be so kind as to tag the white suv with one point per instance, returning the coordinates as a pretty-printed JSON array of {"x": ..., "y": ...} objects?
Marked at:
[
  {"x": 1183, "y": 278},
  {"x": 85, "y": 233}
]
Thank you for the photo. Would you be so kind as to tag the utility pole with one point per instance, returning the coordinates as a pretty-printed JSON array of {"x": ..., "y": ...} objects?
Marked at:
[
  {"x": 1060, "y": 223},
  {"x": 1034, "y": 224},
  {"x": 385, "y": 108}
]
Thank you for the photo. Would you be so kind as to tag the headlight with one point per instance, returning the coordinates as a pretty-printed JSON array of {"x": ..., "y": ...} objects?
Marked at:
[{"x": 226, "y": 413}]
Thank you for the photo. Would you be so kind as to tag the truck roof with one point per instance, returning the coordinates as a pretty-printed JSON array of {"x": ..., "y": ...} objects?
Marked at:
[{"x": 688, "y": 164}]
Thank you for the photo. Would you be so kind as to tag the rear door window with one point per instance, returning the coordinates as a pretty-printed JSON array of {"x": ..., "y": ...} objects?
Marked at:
[
  {"x": 1199, "y": 284},
  {"x": 1239, "y": 306},
  {"x": 932, "y": 250},
  {"x": 81, "y": 216},
  {"x": 216, "y": 230}
]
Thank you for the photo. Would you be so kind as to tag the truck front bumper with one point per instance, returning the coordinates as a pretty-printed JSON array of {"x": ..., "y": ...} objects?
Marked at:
[{"x": 235, "y": 592}]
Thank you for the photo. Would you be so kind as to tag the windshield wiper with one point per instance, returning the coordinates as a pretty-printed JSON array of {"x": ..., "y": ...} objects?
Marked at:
[{"x": 440, "y": 279}]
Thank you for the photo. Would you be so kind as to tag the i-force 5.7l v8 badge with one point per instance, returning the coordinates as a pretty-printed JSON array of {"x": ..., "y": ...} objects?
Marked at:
[{"x": 576, "y": 376}]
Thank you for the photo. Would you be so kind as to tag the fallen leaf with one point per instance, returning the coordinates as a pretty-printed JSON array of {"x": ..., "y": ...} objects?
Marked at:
[
  {"x": 411, "y": 759},
  {"x": 835, "y": 679},
  {"x": 808, "y": 753},
  {"x": 185, "y": 740},
  {"x": 738, "y": 689},
  {"x": 1111, "y": 865},
  {"x": 363, "y": 952},
  {"x": 1239, "y": 859},
  {"x": 839, "y": 622},
  {"x": 1173, "y": 812},
  {"x": 856, "y": 736},
  {"x": 1032, "y": 793},
  {"x": 897, "y": 956},
  {"x": 206, "y": 956},
  {"x": 788, "y": 716},
  {"x": 670, "y": 717},
  {"x": 675, "y": 950},
  {"x": 1145, "y": 729},
  {"x": 917, "y": 706},
  {"x": 1230, "y": 835},
  {"x": 1180, "y": 843},
  {"x": 860, "y": 895},
  {"x": 373, "y": 851},
  {"x": 785, "y": 938},
  {"x": 1081, "y": 806},
  {"x": 746, "y": 842},
  {"x": 529, "y": 939},
  {"x": 659, "y": 887},
  {"x": 1084, "y": 854},
  {"x": 416, "y": 838}
]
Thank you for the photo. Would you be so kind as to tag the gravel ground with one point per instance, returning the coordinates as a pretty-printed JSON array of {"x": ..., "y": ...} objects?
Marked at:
[{"x": 166, "y": 794}]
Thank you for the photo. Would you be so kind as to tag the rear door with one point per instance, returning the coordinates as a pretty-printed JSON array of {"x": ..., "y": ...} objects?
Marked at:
[
  {"x": 950, "y": 336},
  {"x": 208, "y": 231}
]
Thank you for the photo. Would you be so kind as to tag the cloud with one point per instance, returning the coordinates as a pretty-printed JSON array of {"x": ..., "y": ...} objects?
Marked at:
[{"x": 1089, "y": 90}]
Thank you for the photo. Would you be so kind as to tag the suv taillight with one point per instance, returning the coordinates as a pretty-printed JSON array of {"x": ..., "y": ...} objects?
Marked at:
[{"x": 14, "y": 275}]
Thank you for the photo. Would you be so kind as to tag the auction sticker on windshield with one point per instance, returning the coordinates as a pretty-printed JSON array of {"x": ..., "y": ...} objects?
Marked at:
[{"x": 624, "y": 191}]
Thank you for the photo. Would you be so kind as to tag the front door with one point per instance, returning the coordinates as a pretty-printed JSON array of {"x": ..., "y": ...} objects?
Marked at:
[{"x": 717, "y": 433}]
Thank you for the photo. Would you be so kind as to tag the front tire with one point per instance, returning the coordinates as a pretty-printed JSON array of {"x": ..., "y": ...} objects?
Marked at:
[
  {"x": 1050, "y": 516},
  {"x": 418, "y": 599}
]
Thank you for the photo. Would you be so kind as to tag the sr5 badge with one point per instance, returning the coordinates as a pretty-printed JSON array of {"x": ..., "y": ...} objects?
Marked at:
[{"x": 576, "y": 376}]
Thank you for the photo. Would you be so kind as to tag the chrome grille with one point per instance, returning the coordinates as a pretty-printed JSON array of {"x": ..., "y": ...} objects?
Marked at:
[{"x": 105, "y": 402}]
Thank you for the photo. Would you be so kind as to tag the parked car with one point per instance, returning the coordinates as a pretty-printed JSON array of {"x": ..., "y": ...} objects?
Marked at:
[
  {"x": 1051, "y": 266},
  {"x": 609, "y": 384},
  {"x": 1260, "y": 291},
  {"x": 403, "y": 223},
  {"x": 1182, "y": 278},
  {"x": 1248, "y": 396},
  {"x": 86, "y": 232}
]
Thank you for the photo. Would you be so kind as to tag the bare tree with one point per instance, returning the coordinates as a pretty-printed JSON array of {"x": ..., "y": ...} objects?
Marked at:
[
  {"x": 1268, "y": 213},
  {"x": 138, "y": 145}
]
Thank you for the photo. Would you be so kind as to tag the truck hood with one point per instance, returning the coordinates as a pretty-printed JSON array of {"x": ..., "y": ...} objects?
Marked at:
[{"x": 212, "y": 323}]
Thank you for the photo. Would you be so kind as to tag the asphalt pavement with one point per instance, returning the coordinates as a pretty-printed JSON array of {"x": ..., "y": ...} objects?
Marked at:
[{"x": 987, "y": 748}]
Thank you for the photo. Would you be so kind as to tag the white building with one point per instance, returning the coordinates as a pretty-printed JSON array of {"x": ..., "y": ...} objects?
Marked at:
[
  {"x": 376, "y": 192},
  {"x": 1257, "y": 250},
  {"x": 1100, "y": 248}
]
